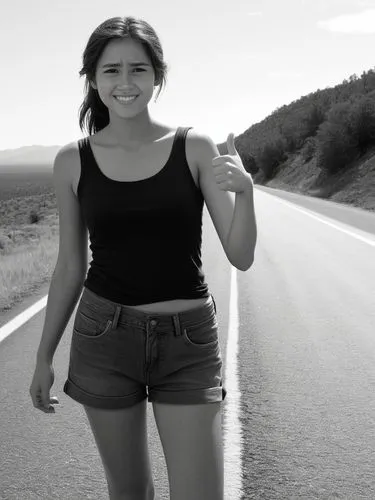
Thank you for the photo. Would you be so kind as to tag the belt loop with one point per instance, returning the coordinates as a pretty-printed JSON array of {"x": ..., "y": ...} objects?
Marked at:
[
  {"x": 177, "y": 326},
  {"x": 116, "y": 317}
]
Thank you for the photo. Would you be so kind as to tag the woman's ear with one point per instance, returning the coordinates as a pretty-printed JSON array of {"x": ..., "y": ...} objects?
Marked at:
[{"x": 93, "y": 85}]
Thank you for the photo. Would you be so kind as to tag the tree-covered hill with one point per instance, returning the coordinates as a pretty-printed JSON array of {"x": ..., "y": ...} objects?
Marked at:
[{"x": 335, "y": 125}]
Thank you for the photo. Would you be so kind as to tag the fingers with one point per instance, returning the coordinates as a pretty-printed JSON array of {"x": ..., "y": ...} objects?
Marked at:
[{"x": 40, "y": 403}]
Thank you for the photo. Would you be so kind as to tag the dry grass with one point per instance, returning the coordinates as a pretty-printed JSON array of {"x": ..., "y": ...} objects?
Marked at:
[
  {"x": 354, "y": 186},
  {"x": 28, "y": 251},
  {"x": 26, "y": 269}
]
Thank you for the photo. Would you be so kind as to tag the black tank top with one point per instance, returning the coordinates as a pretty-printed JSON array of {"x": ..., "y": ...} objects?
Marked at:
[{"x": 146, "y": 235}]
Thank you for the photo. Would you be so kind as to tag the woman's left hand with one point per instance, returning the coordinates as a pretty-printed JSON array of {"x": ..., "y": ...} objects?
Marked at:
[{"x": 229, "y": 171}]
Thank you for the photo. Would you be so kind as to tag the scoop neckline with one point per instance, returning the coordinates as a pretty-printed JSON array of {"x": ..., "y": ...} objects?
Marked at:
[{"x": 139, "y": 180}]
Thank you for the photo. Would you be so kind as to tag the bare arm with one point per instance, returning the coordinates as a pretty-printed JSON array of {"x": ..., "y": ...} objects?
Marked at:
[
  {"x": 71, "y": 267},
  {"x": 63, "y": 295}
]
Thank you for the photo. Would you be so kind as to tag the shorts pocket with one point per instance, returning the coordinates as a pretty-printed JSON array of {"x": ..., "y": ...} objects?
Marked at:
[
  {"x": 90, "y": 323},
  {"x": 202, "y": 335}
]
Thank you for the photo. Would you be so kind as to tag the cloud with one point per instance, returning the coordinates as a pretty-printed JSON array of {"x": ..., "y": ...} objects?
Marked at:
[
  {"x": 366, "y": 3},
  {"x": 361, "y": 22}
]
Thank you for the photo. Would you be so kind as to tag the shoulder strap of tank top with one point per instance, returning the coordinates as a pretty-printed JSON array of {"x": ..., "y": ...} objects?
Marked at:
[
  {"x": 83, "y": 149},
  {"x": 181, "y": 133},
  {"x": 180, "y": 139},
  {"x": 84, "y": 157}
]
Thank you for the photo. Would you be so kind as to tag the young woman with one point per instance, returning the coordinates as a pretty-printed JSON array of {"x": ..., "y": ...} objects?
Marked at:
[{"x": 146, "y": 318}]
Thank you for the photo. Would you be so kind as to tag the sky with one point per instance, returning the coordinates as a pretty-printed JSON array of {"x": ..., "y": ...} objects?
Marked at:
[{"x": 231, "y": 64}]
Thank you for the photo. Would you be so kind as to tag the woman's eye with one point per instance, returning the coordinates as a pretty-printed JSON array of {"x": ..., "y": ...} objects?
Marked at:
[{"x": 113, "y": 69}]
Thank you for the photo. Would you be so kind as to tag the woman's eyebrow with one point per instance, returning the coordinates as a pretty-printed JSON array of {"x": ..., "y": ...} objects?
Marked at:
[{"x": 117, "y": 65}]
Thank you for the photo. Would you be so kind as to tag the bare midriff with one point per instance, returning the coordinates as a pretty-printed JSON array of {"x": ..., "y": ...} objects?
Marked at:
[{"x": 171, "y": 306}]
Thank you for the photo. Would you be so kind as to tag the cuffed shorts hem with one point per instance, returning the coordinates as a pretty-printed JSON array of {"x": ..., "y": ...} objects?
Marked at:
[
  {"x": 106, "y": 402},
  {"x": 196, "y": 396}
]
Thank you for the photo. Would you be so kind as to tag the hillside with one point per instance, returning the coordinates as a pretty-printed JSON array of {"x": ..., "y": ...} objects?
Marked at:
[
  {"x": 11, "y": 159},
  {"x": 353, "y": 186},
  {"x": 322, "y": 144}
]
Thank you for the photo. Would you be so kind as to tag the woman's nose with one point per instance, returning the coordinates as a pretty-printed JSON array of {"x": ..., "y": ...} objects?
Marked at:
[{"x": 126, "y": 78}]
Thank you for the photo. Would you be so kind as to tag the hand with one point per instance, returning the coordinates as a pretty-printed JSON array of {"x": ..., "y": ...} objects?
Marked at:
[
  {"x": 229, "y": 171},
  {"x": 40, "y": 387}
]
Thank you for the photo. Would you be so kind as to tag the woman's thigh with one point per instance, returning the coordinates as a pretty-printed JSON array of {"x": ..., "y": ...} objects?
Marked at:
[
  {"x": 121, "y": 438},
  {"x": 191, "y": 436}
]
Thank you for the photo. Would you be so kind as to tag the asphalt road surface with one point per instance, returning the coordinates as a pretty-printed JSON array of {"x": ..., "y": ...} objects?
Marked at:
[{"x": 306, "y": 368}]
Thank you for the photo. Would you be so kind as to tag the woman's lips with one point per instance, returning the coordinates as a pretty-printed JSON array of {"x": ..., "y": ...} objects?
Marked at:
[{"x": 125, "y": 102}]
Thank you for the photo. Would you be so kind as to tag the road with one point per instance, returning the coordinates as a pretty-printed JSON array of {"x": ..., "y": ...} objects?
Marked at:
[{"x": 306, "y": 368}]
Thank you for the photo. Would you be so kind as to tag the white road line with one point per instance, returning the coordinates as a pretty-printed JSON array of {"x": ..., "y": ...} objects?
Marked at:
[
  {"x": 232, "y": 428},
  {"x": 21, "y": 319},
  {"x": 366, "y": 238}
]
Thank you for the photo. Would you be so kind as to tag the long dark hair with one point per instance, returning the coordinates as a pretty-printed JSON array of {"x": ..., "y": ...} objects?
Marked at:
[{"x": 93, "y": 114}]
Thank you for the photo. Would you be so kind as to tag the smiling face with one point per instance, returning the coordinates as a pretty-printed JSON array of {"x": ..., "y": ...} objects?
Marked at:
[{"x": 124, "y": 69}]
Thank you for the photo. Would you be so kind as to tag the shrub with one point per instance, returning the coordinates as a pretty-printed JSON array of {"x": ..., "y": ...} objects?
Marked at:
[
  {"x": 34, "y": 217},
  {"x": 362, "y": 123},
  {"x": 308, "y": 149},
  {"x": 272, "y": 155}
]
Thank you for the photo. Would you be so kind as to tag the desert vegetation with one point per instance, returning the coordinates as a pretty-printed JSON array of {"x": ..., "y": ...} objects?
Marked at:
[{"x": 29, "y": 237}]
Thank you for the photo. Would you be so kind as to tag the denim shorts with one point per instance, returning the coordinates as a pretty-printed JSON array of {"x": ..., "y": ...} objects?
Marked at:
[{"x": 120, "y": 356}]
